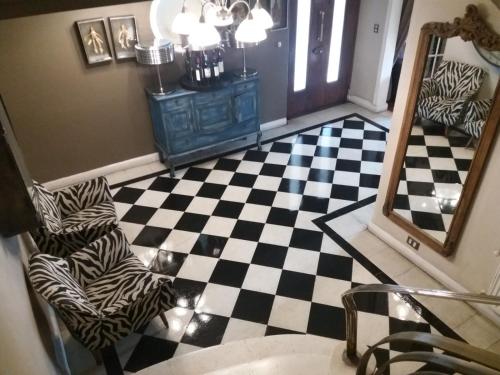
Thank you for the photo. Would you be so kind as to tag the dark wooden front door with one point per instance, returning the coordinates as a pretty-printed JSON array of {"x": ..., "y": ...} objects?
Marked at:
[{"x": 312, "y": 85}]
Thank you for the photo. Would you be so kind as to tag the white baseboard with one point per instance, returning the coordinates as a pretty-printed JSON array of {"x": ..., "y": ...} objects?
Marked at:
[
  {"x": 485, "y": 310},
  {"x": 102, "y": 171},
  {"x": 130, "y": 163},
  {"x": 366, "y": 104},
  {"x": 273, "y": 124}
]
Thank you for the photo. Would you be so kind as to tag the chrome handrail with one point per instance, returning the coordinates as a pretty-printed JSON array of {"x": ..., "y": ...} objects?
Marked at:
[{"x": 351, "y": 355}]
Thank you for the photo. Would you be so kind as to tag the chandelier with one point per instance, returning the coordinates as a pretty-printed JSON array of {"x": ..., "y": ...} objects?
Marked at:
[{"x": 202, "y": 32}]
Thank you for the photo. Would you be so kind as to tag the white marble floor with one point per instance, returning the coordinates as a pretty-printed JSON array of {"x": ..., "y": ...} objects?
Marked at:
[{"x": 353, "y": 227}]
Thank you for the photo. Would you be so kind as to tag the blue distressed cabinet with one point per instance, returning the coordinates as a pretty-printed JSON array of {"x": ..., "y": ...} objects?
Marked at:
[{"x": 187, "y": 121}]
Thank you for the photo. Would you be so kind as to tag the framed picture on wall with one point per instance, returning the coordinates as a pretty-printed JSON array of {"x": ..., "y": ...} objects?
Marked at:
[
  {"x": 94, "y": 40},
  {"x": 124, "y": 36}
]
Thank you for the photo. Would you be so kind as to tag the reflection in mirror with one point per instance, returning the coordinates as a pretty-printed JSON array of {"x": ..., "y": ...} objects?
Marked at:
[{"x": 455, "y": 98}]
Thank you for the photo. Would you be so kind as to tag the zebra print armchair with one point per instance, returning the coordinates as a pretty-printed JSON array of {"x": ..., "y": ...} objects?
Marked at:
[
  {"x": 443, "y": 97},
  {"x": 72, "y": 217},
  {"x": 102, "y": 292}
]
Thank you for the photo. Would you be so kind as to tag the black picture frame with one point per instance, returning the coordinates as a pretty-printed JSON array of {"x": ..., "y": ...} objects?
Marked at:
[
  {"x": 122, "y": 46},
  {"x": 96, "y": 47}
]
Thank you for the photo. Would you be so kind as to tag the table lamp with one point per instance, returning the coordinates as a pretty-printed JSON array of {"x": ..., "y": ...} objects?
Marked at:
[{"x": 161, "y": 52}]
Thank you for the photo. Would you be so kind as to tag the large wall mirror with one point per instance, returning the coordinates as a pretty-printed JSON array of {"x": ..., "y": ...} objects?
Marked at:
[{"x": 450, "y": 122}]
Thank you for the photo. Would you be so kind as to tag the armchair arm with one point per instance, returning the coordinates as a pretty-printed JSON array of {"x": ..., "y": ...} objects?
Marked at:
[
  {"x": 155, "y": 296},
  {"x": 51, "y": 278},
  {"x": 429, "y": 88},
  {"x": 98, "y": 257},
  {"x": 84, "y": 195}
]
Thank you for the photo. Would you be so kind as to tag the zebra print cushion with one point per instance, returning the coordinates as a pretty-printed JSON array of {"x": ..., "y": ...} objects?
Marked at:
[
  {"x": 474, "y": 128},
  {"x": 119, "y": 295},
  {"x": 477, "y": 110},
  {"x": 429, "y": 88},
  {"x": 82, "y": 196},
  {"x": 93, "y": 261},
  {"x": 440, "y": 109},
  {"x": 86, "y": 212},
  {"x": 458, "y": 80},
  {"x": 46, "y": 207},
  {"x": 475, "y": 116}
]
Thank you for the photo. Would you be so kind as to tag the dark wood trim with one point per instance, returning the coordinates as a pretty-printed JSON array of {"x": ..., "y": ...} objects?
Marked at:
[
  {"x": 23, "y": 8},
  {"x": 470, "y": 28}
]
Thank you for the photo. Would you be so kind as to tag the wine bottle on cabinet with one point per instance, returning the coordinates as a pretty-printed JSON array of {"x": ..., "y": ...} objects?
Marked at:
[
  {"x": 220, "y": 60},
  {"x": 207, "y": 73},
  {"x": 198, "y": 69},
  {"x": 215, "y": 65},
  {"x": 189, "y": 66}
]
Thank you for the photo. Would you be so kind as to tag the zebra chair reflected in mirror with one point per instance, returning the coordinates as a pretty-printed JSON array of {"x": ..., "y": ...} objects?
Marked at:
[
  {"x": 72, "y": 217},
  {"x": 444, "y": 96},
  {"x": 102, "y": 292}
]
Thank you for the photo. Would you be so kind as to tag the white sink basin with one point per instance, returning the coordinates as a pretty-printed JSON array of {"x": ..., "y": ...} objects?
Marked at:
[{"x": 281, "y": 354}]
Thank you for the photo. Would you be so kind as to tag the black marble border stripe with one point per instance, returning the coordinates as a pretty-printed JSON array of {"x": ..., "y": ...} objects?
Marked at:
[
  {"x": 247, "y": 147},
  {"x": 321, "y": 222}
]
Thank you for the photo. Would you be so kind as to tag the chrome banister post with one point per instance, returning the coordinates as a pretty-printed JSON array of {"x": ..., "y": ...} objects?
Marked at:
[
  {"x": 351, "y": 320},
  {"x": 351, "y": 355}
]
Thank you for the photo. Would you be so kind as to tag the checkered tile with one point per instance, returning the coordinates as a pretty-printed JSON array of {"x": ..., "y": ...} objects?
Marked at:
[
  {"x": 239, "y": 241},
  {"x": 432, "y": 178}
]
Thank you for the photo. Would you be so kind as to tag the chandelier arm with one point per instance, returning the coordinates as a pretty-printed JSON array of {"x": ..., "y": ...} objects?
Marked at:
[{"x": 239, "y": 2}]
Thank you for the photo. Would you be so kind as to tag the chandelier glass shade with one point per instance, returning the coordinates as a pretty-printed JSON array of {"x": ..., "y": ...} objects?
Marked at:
[
  {"x": 262, "y": 16},
  {"x": 250, "y": 31},
  {"x": 184, "y": 22},
  {"x": 203, "y": 35}
]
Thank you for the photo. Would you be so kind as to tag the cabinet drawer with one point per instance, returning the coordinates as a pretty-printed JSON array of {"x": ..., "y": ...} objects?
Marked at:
[
  {"x": 214, "y": 116},
  {"x": 210, "y": 97},
  {"x": 180, "y": 145},
  {"x": 247, "y": 86},
  {"x": 175, "y": 103},
  {"x": 178, "y": 123}
]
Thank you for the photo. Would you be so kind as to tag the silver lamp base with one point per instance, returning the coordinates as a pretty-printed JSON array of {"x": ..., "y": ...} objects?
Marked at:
[{"x": 245, "y": 73}]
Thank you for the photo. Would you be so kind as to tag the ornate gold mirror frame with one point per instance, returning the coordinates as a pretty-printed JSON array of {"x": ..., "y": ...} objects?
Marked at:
[{"x": 469, "y": 28}]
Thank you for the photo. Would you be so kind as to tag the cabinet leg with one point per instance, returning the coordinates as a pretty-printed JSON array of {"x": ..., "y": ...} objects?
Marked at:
[
  {"x": 259, "y": 136},
  {"x": 172, "y": 169}
]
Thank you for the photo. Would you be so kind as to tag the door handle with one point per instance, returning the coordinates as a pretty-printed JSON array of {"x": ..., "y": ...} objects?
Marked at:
[
  {"x": 318, "y": 50},
  {"x": 321, "y": 32}
]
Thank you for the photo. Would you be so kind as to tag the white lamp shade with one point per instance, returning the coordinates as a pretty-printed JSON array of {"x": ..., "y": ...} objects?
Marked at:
[
  {"x": 184, "y": 23},
  {"x": 263, "y": 17},
  {"x": 250, "y": 31},
  {"x": 203, "y": 35}
]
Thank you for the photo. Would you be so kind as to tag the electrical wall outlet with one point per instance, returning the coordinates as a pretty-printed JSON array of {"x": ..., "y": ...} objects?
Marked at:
[
  {"x": 375, "y": 28},
  {"x": 413, "y": 242}
]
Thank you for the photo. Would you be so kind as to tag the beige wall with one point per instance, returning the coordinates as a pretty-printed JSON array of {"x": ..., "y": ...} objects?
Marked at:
[
  {"x": 70, "y": 118},
  {"x": 474, "y": 263},
  {"x": 23, "y": 343}
]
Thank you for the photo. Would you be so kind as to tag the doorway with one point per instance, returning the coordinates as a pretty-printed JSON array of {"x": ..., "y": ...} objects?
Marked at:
[{"x": 322, "y": 37}]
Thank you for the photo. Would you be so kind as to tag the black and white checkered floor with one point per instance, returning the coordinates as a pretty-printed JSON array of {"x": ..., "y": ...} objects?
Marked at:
[
  {"x": 431, "y": 181},
  {"x": 246, "y": 257}
]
